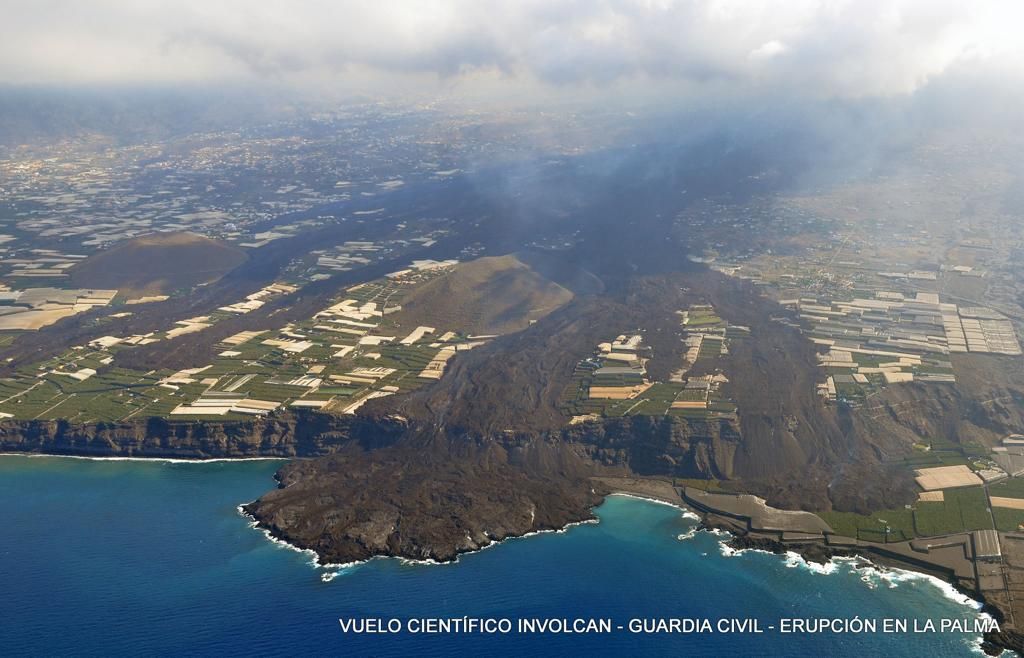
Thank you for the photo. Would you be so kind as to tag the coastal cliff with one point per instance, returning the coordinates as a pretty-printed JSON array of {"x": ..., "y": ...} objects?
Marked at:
[
  {"x": 432, "y": 496},
  {"x": 485, "y": 453}
]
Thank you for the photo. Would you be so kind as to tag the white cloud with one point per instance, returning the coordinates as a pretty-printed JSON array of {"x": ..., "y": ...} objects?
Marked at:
[
  {"x": 839, "y": 47},
  {"x": 768, "y": 49}
]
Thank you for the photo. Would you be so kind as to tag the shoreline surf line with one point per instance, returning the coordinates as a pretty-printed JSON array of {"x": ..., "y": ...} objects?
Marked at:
[
  {"x": 317, "y": 564},
  {"x": 886, "y": 573},
  {"x": 687, "y": 512},
  {"x": 167, "y": 460}
]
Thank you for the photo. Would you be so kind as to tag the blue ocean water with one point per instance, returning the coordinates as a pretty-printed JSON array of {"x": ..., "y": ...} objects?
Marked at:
[{"x": 117, "y": 557}]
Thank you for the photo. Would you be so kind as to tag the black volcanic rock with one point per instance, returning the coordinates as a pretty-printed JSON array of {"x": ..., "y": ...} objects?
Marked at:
[
  {"x": 788, "y": 444},
  {"x": 993, "y": 643},
  {"x": 299, "y": 433},
  {"x": 485, "y": 453},
  {"x": 426, "y": 498}
]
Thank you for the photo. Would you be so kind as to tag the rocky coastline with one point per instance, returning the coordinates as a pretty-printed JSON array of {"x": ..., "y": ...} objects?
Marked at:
[
  {"x": 817, "y": 551},
  {"x": 993, "y": 643},
  {"x": 363, "y": 487}
]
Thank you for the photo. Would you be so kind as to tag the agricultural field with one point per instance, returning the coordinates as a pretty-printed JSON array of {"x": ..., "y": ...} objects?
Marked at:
[
  {"x": 962, "y": 510},
  {"x": 613, "y": 382},
  {"x": 873, "y": 527},
  {"x": 1008, "y": 520},
  {"x": 942, "y": 452},
  {"x": 1008, "y": 488},
  {"x": 344, "y": 355}
]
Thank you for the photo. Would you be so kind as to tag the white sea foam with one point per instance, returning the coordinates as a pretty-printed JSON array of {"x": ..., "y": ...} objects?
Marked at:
[
  {"x": 729, "y": 551},
  {"x": 689, "y": 534},
  {"x": 974, "y": 644},
  {"x": 795, "y": 560},
  {"x": 723, "y": 544},
  {"x": 335, "y": 569},
  {"x": 687, "y": 513},
  {"x": 870, "y": 573},
  {"x": 314, "y": 558},
  {"x": 407, "y": 561},
  {"x": 332, "y": 571},
  {"x": 874, "y": 575}
]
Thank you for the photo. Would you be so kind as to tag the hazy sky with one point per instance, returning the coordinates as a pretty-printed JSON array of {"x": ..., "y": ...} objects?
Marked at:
[{"x": 829, "y": 48}]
